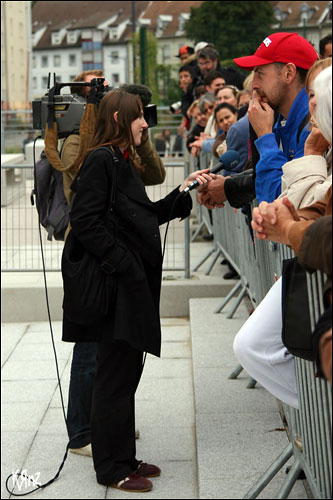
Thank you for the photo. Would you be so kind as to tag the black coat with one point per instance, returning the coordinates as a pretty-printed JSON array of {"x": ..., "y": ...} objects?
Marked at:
[{"x": 129, "y": 240}]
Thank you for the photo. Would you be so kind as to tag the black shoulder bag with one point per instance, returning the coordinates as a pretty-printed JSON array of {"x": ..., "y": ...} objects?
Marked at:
[
  {"x": 296, "y": 324},
  {"x": 89, "y": 288}
]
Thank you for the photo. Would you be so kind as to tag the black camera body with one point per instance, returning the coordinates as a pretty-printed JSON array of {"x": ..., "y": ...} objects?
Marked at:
[{"x": 68, "y": 109}]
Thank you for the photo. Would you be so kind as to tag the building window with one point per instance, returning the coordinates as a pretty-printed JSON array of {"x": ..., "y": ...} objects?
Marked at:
[
  {"x": 113, "y": 33},
  {"x": 87, "y": 56},
  {"x": 34, "y": 82},
  {"x": 33, "y": 62},
  {"x": 88, "y": 66},
  {"x": 55, "y": 38},
  {"x": 98, "y": 57},
  {"x": 165, "y": 53},
  {"x": 72, "y": 59},
  {"x": 45, "y": 61},
  {"x": 56, "y": 61},
  {"x": 71, "y": 37},
  {"x": 92, "y": 57},
  {"x": 114, "y": 57},
  {"x": 87, "y": 46},
  {"x": 97, "y": 36},
  {"x": 115, "y": 78},
  {"x": 86, "y": 35},
  {"x": 44, "y": 82}
]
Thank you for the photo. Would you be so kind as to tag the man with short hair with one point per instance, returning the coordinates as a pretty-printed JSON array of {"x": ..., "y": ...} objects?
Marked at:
[
  {"x": 280, "y": 65},
  {"x": 214, "y": 81},
  {"x": 208, "y": 60}
]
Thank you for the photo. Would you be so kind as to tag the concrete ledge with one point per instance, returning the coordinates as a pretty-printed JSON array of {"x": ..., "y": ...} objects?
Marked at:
[
  {"x": 23, "y": 297},
  {"x": 175, "y": 295}
]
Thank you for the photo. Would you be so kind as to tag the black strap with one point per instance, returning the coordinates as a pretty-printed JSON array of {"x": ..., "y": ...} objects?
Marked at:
[{"x": 114, "y": 173}]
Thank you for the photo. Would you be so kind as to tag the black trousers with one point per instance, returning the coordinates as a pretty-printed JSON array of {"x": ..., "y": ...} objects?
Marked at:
[{"x": 118, "y": 371}]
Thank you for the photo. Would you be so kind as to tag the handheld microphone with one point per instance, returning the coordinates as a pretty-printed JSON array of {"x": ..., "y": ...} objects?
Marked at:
[{"x": 228, "y": 160}]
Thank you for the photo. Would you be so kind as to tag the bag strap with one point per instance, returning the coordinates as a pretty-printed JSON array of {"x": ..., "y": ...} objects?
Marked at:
[{"x": 114, "y": 172}]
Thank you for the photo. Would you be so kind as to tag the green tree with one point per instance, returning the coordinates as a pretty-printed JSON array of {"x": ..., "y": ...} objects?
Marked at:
[
  {"x": 158, "y": 77},
  {"x": 168, "y": 86},
  {"x": 235, "y": 28}
]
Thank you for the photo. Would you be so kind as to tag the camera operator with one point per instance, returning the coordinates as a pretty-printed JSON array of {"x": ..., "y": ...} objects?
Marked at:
[{"x": 153, "y": 172}]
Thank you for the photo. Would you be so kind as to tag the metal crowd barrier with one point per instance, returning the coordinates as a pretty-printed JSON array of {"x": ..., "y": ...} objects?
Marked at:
[
  {"x": 20, "y": 240},
  {"x": 259, "y": 264}
]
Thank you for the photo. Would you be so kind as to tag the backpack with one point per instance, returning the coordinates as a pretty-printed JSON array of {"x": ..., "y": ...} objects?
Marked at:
[{"x": 51, "y": 204}]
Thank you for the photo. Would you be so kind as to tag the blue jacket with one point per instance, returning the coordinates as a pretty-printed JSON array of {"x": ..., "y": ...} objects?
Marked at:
[{"x": 272, "y": 158}]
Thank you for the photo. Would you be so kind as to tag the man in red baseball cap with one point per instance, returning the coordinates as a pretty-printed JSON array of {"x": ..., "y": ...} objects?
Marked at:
[
  {"x": 280, "y": 66},
  {"x": 283, "y": 48},
  {"x": 184, "y": 52}
]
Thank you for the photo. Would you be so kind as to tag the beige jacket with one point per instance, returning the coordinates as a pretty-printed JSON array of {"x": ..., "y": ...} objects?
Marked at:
[{"x": 306, "y": 180}]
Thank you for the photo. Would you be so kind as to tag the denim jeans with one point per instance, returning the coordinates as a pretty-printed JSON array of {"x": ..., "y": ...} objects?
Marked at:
[{"x": 80, "y": 393}]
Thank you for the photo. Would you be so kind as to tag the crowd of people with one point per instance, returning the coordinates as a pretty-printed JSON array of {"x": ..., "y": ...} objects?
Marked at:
[
  {"x": 279, "y": 119},
  {"x": 280, "y": 123}
]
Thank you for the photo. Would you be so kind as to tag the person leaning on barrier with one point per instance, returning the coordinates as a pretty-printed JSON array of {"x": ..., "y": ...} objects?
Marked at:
[
  {"x": 258, "y": 345},
  {"x": 315, "y": 252},
  {"x": 198, "y": 124},
  {"x": 280, "y": 66}
]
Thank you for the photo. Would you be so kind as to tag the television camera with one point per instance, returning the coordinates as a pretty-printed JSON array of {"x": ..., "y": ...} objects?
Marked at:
[{"x": 68, "y": 109}]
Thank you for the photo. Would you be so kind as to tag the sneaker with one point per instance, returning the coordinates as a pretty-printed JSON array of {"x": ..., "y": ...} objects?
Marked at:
[
  {"x": 208, "y": 237},
  {"x": 85, "y": 451},
  {"x": 134, "y": 483},
  {"x": 148, "y": 470}
]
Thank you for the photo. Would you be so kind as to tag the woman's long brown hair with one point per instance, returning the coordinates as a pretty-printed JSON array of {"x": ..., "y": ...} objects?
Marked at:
[{"x": 108, "y": 131}]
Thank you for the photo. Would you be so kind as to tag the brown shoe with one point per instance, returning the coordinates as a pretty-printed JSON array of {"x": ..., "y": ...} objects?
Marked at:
[
  {"x": 134, "y": 483},
  {"x": 148, "y": 470}
]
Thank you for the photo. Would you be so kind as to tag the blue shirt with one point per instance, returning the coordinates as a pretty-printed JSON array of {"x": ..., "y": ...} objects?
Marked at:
[{"x": 272, "y": 158}]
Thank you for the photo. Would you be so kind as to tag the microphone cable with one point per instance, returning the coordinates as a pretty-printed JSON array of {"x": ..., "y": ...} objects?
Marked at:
[{"x": 17, "y": 474}]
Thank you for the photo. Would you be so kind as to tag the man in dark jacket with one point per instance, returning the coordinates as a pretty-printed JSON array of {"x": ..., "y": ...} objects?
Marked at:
[{"x": 208, "y": 60}]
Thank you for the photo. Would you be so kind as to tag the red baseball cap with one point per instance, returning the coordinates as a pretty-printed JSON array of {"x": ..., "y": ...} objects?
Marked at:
[
  {"x": 185, "y": 49},
  {"x": 281, "y": 47}
]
